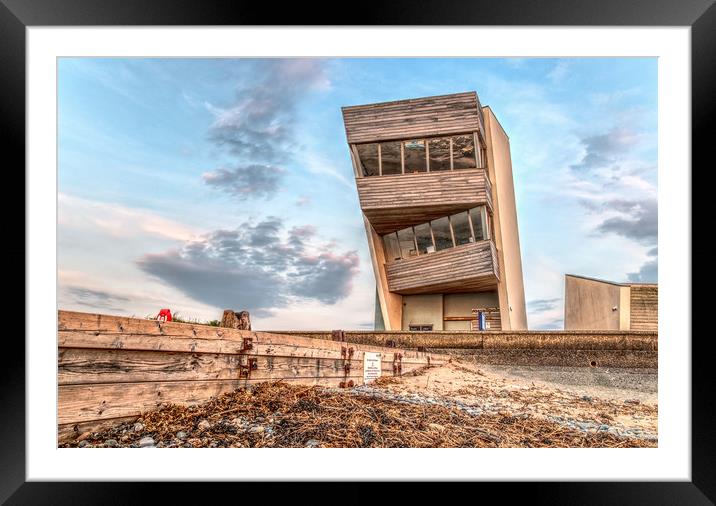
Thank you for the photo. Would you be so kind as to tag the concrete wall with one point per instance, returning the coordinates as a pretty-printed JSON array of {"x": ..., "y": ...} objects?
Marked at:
[
  {"x": 511, "y": 290},
  {"x": 423, "y": 310},
  {"x": 589, "y": 303},
  {"x": 390, "y": 303},
  {"x": 462, "y": 304}
]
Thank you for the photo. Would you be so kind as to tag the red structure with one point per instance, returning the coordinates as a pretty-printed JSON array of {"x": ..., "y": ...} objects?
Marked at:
[{"x": 164, "y": 315}]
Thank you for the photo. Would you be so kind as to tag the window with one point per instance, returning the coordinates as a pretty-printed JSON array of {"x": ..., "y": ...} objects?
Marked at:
[
  {"x": 414, "y": 156},
  {"x": 406, "y": 241},
  {"x": 424, "y": 238},
  {"x": 392, "y": 247},
  {"x": 439, "y": 150},
  {"x": 441, "y": 233},
  {"x": 477, "y": 216},
  {"x": 368, "y": 155},
  {"x": 461, "y": 228},
  {"x": 390, "y": 158},
  {"x": 463, "y": 152},
  {"x": 419, "y": 328}
]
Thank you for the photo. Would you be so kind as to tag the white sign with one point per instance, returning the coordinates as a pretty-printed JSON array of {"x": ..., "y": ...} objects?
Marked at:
[{"x": 371, "y": 367}]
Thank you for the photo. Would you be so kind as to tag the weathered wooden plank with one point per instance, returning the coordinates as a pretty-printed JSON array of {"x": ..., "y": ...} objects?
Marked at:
[
  {"x": 70, "y": 431},
  {"x": 81, "y": 403},
  {"x": 206, "y": 337},
  {"x": 168, "y": 344},
  {"x": 78, "y": 366},
  {"x": 82, "y": 366}
]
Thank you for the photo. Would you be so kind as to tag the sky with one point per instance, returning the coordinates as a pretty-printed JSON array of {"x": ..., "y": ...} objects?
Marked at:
[{"x": 206, "y": 184}]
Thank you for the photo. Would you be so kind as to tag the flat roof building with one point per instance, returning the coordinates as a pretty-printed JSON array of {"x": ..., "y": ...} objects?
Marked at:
[
  {"x": 434, "y": 180},
  {"x": 595, "y": 304}
]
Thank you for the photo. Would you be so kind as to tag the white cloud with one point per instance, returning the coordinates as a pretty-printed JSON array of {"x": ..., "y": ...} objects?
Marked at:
[{"x": 118, "y": 220}]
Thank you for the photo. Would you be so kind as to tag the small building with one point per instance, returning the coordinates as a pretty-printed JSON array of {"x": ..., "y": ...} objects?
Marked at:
[
  {"x": 434, "y": 180},
  {"x": 595, "y": 304}
]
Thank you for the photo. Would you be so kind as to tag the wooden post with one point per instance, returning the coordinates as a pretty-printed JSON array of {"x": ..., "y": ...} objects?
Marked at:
[{"x": 234, "y": 320}]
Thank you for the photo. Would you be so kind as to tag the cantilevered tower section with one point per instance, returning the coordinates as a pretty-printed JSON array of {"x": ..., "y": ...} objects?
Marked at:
[{"x": 434, "y": 181}]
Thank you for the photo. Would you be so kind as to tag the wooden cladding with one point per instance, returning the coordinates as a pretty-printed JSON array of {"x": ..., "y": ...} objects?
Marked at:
[
  {"x": 420, "y": 117},
  {"x": 644, "y": 302},
  {"x": 470, "y": 267},
  {"x": 394, "y": 202}
]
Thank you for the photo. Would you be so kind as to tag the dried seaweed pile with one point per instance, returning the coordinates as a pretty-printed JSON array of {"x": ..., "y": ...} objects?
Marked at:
[{"x": 282, "y": 415}]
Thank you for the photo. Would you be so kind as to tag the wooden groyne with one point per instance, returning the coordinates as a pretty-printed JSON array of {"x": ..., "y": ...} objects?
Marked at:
[{"x": 112, "y": 369}]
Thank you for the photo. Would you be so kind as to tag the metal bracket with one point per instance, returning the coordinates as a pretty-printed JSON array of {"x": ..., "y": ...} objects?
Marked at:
[
  {"x": 397, "y": 364},
  {"x": 246, "y": 363},
  {"x": 245, "y": 369},
  {"x": 346, "y": 356}
]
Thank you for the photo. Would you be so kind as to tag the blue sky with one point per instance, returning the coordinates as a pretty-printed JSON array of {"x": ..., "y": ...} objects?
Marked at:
[{"x": 205, "y": 184}]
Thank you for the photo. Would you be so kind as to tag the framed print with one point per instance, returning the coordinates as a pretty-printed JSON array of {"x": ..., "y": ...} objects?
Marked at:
[{"x": 432, "y": 234}]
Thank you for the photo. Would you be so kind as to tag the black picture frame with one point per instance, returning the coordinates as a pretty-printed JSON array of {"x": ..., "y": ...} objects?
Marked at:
[{"x": 17, "y": 15}]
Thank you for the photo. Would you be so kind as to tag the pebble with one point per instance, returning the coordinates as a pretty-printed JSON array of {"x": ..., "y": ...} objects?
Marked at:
[
  {"x": 111, "y": 443},
  {"x": 436, "y": 426},
  {"x": 586, "y": 398},
  {"x": 83, "y": 443},
  {"x": 257, "y": 429},
  {"x": 84, "y": 436},
  {"x": 631, "y": 401},
  {"x": 138, "y": 427},
  {"x": 146, "y": 442},
  {"x": 181, "y": 435},
  {"x": 312, "y": 443},
  {"x": 203, "y": 425}
]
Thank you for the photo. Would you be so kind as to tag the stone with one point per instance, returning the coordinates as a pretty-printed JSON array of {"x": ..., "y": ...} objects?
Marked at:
[
  {"x": 181, "y": 435},
  {"x": 111, "y": 443},
  {"x": 435, "y": 426},
  {"x": 138, "y": 427},
  {"x": 83, "y": 443},
  {"x": 257, "y": 429},
  {"x": 631, "y": 401},
  {"x": 84, "y": 436},
  {"x": 204, "y": 425},
  {"x": 313, "y": 443},
  {"x": 146, "y": 442},
  {"x": 586, "y": 398}
]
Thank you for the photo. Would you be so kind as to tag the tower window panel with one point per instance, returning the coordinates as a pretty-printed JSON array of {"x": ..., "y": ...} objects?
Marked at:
[
  {"x": 415, "y": 160},
  {"x": 390, "y": 158},
  {"x": 478, "y": 223},
  {"x": 441, "y": 233},
  {"x": 392, "y": 247},
  {"x": 461, "y": 228},
  {"x": 439, "y": 150},
  {"x": 424, "y": 238},
  {"x": 406, "y": 241},
  {"x": 463, "y": 152},
  {"x": 368, "y": 155}
]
